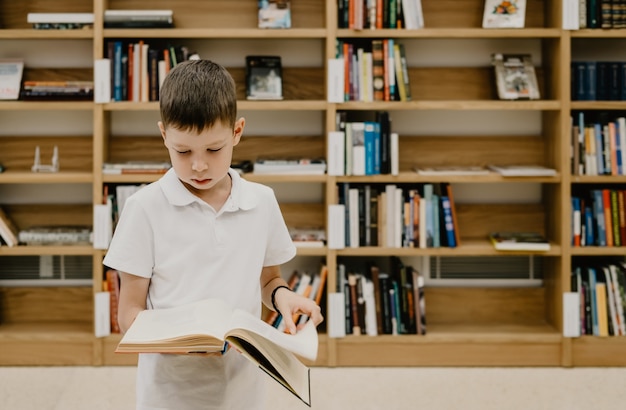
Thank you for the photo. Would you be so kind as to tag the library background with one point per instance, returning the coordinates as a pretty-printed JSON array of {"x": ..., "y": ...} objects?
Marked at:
[{"x": 72, "y": 144}]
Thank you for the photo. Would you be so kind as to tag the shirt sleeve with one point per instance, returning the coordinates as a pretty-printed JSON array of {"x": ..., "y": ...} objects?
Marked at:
[
  {"x": 280, "y": 248},
  {"x": 132, "y": 247}
]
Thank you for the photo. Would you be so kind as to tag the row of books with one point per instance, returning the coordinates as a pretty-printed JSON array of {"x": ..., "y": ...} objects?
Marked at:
[
  {"x": 375, "y": 300},
  {"x": 363, "y": 147},
  {"x": 601, "y": 297},
  {"x": 42, "y": 235},
  {"x": 134, "y": 71},
  {"x": 111, "y": 19},
  {"x": 606, "y": 14},
  {"x": 380, "y": 14},
  {"x": 599, "y": 218},
  {"x": 371, "y": 70},
  {"x": 389, "y": 215},
  {"x": 309, "y": 285},
  {"x": 598, "y": 144},
  {"x": 598, "y": 80}
]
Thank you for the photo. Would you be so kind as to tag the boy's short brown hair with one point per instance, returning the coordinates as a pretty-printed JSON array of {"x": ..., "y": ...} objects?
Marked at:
[{"x": 196, "y": 94}]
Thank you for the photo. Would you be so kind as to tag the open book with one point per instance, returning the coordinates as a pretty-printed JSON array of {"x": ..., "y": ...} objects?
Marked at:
[{"x": 205, "y": 326}]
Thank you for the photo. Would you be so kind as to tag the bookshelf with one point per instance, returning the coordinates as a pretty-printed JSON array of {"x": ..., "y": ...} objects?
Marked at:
[{"x": 467, "y": 326}]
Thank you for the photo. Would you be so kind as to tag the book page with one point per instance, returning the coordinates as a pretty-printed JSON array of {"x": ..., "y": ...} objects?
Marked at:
[
  {"x": 206, "y": 317},
  {"x": 304, "y": 343}
]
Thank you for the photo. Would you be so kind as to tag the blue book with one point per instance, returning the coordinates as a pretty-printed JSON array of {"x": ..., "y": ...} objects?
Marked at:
[
  {"x": 592, "y": 80},
  {"x": 377, "y": 149},
  {"x": 594, "y": 305},
  {"x": 370, "y": 151},
  {"x": 589, "y": 229},
  {"x": 428, "y": 200},
  {"x": 614, "y": 82},
  {"x": 578, "y": 82},
  {"x": 597, "y": 131},
  {"x": 598, "y": 211},
  {"x": 436, "y": 229},
  {"x": 622, "y": 81},
  {"x": 117, "y": 71},
  {"x": 449, "y": 222}
]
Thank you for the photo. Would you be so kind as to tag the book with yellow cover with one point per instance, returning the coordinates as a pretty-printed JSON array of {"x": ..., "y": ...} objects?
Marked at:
[{"x": 207, "y": 326}]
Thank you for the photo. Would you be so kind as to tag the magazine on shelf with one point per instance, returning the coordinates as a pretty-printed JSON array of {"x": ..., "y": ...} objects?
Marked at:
[
  {"x": 519, "y": 241},
  {"x": 523, "y": 170},
  {"x": 515, "y": 77},
  {"x": 504, "y": 14},
  {"x": 274, "y": 13},
  {"x": 264, "y": 78},
  {"x": 452, "y": 170},
  {"x": 300, "y": 166},
  {"x": 11, "y": 71}
]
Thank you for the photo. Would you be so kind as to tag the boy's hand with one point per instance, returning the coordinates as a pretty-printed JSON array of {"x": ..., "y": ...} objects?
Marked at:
[{"x": 290, "y": 304}]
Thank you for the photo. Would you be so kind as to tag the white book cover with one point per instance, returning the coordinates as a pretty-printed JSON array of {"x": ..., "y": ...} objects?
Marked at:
[
  {"x": 102, "y": 225},
  {"x": 395, "y": 153},
  {"x": 79, "y": 18},
  {"x": 336, "y": 315},
  {"x": 336, "y": 153},
  {"x": 504, "y": 14},
  {"x": 571, "y": 314},
  {"x": 358, "y": 148},
  {"x": 102, "y": 314},
  {"x": 353, "y": 213},
  {"x": 336, "y": 224},
  {"x": 11, "y": 78},
  {"x": 102, "y": 80},
  {"x": 335, "y": 83},
  {"x": 371, "y": 326},
  {"x": 571, "y": 17},
  {"x": 390, "y": 214}
]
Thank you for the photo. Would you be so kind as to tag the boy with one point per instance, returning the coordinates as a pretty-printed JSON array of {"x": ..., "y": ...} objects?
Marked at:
[{"x": 199, "y": 232}]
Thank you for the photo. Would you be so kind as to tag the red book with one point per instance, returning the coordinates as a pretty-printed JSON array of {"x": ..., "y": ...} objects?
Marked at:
[
  {"x": 113, "y": 286},
  {"x": 621, "y": 211}
]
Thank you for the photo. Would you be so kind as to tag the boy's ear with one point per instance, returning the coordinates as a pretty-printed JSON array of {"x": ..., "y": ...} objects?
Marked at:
[
  {"x": 162, "y": 129},
  {"x": 238, "y": 130}
]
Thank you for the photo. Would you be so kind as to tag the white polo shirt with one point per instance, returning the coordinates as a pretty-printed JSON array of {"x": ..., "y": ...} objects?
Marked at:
[{"x": 191, "y": 252}]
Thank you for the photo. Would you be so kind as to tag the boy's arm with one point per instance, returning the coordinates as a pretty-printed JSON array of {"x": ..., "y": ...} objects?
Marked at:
[
  {"x": 287, "y": 302},
  {"x": 133, "y": 295}
]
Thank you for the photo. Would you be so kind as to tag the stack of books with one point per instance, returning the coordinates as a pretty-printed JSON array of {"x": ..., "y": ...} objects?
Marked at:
[
  {"x": 302, "y": 166},
  {"x": 60, "y": 21},
  {"x": 138, "y": 19},
  {"x": 57, "y": 90}
]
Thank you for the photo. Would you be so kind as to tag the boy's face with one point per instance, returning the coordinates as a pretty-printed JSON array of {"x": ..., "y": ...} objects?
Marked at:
[{"x": 201, "y": 161}]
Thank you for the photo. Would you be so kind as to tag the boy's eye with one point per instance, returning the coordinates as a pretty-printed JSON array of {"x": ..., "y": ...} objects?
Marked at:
[
  {"x": 213, "y": 150},
  {"x": 183, "y": 152}
]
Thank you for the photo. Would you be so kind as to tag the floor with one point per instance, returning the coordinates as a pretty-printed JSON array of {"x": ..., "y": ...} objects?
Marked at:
[{"x": 95, "y": 388}]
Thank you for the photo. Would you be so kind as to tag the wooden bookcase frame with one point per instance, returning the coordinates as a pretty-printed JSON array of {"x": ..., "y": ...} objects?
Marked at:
[{"x": 467, "y": 326}]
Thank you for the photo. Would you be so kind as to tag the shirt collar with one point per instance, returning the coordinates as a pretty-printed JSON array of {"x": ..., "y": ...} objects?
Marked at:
[{"x": 241, "y": 196}]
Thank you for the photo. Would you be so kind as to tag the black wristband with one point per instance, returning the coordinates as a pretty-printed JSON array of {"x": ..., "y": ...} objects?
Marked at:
[{"x": 274, "y": 296}]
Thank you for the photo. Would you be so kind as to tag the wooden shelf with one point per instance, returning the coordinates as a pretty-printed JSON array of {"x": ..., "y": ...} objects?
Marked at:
[
  {"x": 453, "y": 33},
  {"x": 11, "y": 177},
  {"x": 477, "y": 105},
  {"x": 219, "y": 33},
  {"x": 37, "y": 344},
  {"x": 32, "y": 34},
  {"x": 469, "y": 247},
  {"x": 468, "y": 326}
]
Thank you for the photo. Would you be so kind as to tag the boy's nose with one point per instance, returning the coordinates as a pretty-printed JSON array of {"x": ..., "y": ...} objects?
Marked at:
[{"x": 199, "y": 165}]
